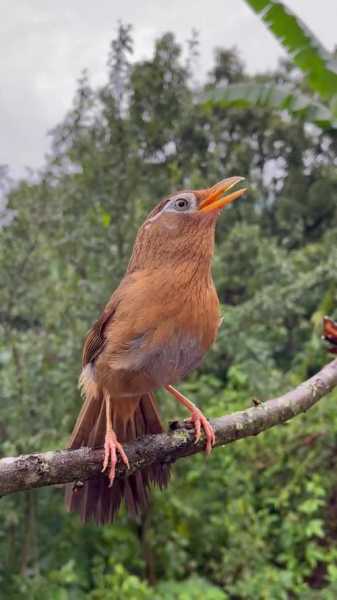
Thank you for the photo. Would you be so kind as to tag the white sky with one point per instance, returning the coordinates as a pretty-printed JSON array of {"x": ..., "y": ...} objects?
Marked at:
[{"x": 45, "y": 44}]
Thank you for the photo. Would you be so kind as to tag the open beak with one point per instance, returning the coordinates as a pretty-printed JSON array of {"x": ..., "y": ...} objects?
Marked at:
[{"x": 217, "y": 197}]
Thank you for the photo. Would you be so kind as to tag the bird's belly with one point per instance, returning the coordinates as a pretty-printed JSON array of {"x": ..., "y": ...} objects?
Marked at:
[
  {"x": 175, "y": 360},
  {"x": 142, "y": 371}
]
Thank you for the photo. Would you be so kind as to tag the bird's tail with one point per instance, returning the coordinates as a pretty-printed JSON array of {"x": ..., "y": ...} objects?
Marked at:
[{"x": 95, "y": 500}]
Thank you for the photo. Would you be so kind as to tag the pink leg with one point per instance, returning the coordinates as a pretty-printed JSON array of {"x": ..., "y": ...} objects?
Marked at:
[
  {"x": 112, "y": 446},
  {"x": 198, "y": 419}
]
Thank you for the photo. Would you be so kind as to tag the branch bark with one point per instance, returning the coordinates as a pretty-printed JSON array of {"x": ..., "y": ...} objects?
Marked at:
[{"x": 63, "y": 466}]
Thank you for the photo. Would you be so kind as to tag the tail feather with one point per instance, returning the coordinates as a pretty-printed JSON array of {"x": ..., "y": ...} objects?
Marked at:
[
  {"x": 90, "y": 416},
  {"x": 96, "y": 500}
]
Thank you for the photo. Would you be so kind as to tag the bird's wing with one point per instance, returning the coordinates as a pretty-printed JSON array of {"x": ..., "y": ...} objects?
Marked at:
[
  {"x": 97, "y": 335},
  {"x": 95, "y": 340}
]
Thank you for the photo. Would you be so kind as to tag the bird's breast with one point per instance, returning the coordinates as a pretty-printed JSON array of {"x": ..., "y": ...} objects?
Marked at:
[
  {"x": 184, "y": 339},
  {"x": 159, "y": 345}
]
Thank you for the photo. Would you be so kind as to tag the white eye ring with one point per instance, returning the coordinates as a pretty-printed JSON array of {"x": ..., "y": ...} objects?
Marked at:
[{"x": 185, "y": 202}]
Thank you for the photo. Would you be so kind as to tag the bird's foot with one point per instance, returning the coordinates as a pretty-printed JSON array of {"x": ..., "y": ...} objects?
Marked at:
[
  {"x": 199, "y": 421},
  {"x": 111, "y": 447},
  {"x": 197, "y": 418}
]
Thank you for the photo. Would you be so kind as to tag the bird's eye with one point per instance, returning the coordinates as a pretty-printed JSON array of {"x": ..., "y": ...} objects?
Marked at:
[
  {"x": 181, "y": 204},
  {"x": 186, "y": 202}
]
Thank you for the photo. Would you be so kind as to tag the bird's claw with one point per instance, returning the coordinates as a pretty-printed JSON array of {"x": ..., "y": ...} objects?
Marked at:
[
  {"x": 111, "y": 447},
  {"x": 199, "y": 421}
]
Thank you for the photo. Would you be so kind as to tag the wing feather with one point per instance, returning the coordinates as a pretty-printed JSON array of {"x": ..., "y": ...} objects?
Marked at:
[{"x": 95, "y": 340}]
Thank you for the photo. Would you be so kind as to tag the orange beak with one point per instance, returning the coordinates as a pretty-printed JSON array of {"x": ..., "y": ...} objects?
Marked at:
[{"x": 216, "y": 198}]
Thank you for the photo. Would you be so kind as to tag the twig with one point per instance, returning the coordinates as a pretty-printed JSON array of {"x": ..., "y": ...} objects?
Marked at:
[{"x": 59, "y": 467}]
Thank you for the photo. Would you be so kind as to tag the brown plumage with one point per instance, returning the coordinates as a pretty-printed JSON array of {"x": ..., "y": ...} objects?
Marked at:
[
  {"x": 155, "y": 329},
  {"x": 330, "y": 333}
]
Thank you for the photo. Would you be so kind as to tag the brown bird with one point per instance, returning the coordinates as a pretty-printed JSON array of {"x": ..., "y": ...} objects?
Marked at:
[
  {"x": 155, "y": 329},
  {"x": 330, "y": 333}
]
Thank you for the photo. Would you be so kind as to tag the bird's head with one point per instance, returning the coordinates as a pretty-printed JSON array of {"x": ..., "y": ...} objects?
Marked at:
[
  {"x": 195, "y": 206},
  {"x": 183, "y": 223}
]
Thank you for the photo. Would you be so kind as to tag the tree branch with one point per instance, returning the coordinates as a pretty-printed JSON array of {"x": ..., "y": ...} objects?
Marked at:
[{"x": 63, "y": 466}]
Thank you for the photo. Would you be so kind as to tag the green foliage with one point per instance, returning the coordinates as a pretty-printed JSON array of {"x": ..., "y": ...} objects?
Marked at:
[
  {"x": 282, "y": 93},
  {"x": 274, "y": 96},
  {"x": 306, "y": 51},
  {"x": 258, "y": 519},
  {"x": 118, "y": 584},
  {"x": 194, "y": 588}
]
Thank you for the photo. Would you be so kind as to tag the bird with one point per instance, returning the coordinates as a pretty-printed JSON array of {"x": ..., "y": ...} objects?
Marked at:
[
  {"x": 155, "y": 329},
  {"x": 330, "y": 334}
]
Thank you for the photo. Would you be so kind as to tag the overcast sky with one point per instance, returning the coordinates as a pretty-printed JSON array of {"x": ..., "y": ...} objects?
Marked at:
[{"x": 46, "y": 43}]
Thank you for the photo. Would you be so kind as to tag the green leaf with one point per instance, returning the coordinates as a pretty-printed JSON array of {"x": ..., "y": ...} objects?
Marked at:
[
  {"x": 273, "y": 96},
  {"x": 332, "y": 572},
  {"x": 315, "y": 528},
  {"x": 305, "y": 50},
  {"x": 310, "y": 505},
  {"x": 106, "y": 218}
]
